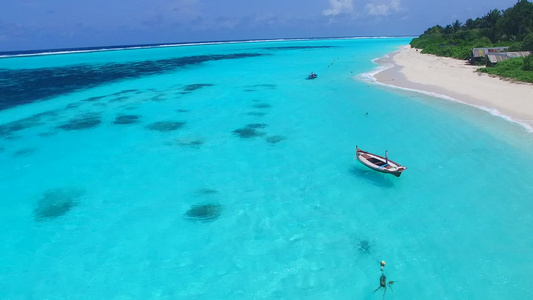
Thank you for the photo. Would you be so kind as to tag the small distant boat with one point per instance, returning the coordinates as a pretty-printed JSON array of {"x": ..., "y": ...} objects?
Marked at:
[
  {"x": 312, "y": 76},
  {"x": 379, "y": 163}
]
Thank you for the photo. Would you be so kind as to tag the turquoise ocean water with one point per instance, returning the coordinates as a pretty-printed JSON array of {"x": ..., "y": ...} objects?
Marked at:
[{"x": 219, "y": 172}]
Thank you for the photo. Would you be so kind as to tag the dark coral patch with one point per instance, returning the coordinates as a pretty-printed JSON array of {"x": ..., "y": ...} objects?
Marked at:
[
  {"x": 25, "y": 123},
  {"x": 28, "y": 85},
  {"x": 275, "y": 139},
  {"x": 158, "y": 98},
  {"x": 262, "y": 105},
  {"x": 165, "y": 126},
  {"x": 125, "y": 92},
  {"x": 23, "y": 152},
  {"x": 126, "y": 119},
  {"x": 47, "y": 133},
  {"x": 194, "y": 87},
  {"x": 206, "y": 191},
  {"x": 119, "y": 99},
  {"x": 191, "y": 142},
  {"x": 364, "y": 247},
  {"x": 73, "y": 105},
  {"x": 266, "y": 85},
  {"x": 204, "y": 212},
  {"x": 182, "y": 110},
  {"x": 246, "y": 133},
  {"x": 13, "y": 137},
  {"x": 81, "y": 122},
  {"x": 256, "y": 125},
  {"x": 56, "y": 203},
  {"x": 92, "y": 99}
]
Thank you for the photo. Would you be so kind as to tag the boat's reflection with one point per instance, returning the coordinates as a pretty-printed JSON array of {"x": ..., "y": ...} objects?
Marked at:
[{"x": 373, "y": 177}]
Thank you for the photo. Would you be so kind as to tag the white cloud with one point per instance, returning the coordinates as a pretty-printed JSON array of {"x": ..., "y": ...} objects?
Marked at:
[
  {"x": 339, "y": 7},
  {"x": 383, "y": 7}
]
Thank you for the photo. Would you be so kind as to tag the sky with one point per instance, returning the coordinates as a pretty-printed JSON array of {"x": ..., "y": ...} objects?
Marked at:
[{"x": 55, "y": 24}]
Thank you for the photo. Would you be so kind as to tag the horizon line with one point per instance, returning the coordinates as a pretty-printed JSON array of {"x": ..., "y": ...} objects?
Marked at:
[{"x": 52, "y": 51}]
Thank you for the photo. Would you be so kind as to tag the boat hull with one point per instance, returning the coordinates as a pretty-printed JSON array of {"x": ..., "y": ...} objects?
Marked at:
[{"x": 379, "y": 163}]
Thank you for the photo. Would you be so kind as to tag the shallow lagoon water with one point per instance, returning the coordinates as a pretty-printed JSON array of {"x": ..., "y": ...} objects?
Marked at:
[{"x": 232, "y": 177}]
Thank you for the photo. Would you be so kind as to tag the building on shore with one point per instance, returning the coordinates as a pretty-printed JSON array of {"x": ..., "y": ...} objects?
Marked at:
[
  {"x": 494, "y": 58},
  {"x": 479, "y": 54}
]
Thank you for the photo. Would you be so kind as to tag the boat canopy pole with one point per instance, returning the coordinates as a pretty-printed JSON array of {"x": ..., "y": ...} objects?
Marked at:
[{"x": 387, "y": 157}]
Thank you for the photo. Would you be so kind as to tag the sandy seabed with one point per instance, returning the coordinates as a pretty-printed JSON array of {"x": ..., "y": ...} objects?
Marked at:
[{"x": 458, "y": 80}]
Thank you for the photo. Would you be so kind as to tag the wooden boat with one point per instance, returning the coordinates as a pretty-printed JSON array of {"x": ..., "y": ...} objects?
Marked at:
[{"x": 379, "y": 163}]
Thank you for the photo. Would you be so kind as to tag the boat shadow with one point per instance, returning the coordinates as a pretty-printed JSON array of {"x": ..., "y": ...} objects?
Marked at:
[{"x": 373, "y": 177}]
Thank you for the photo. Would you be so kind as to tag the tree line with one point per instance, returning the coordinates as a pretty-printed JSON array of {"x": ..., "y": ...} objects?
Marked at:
[{"x": 512, "y": 27}]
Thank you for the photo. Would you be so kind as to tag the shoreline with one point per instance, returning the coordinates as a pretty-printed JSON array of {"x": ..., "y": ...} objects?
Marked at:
[{"x": 458, "y": 81}]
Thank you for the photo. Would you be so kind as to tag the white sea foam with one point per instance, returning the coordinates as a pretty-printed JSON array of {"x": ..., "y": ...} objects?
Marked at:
[
  {"x": 70, "y": 52},
  {"x": 104, "y": 49},
  {"x": 134, "y": 48}
]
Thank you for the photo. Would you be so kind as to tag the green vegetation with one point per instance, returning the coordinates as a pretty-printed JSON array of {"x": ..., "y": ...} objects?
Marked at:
[
  {"x": 512, "y": 27},
  {"x": 512, "y": 68}
]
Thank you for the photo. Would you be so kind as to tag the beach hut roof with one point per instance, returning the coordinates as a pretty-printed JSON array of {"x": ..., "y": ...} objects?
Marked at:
[{"x": 496, "y": 57}]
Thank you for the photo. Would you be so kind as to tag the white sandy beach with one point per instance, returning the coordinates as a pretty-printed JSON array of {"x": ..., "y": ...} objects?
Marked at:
[{"x": 459, "y": 80}]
